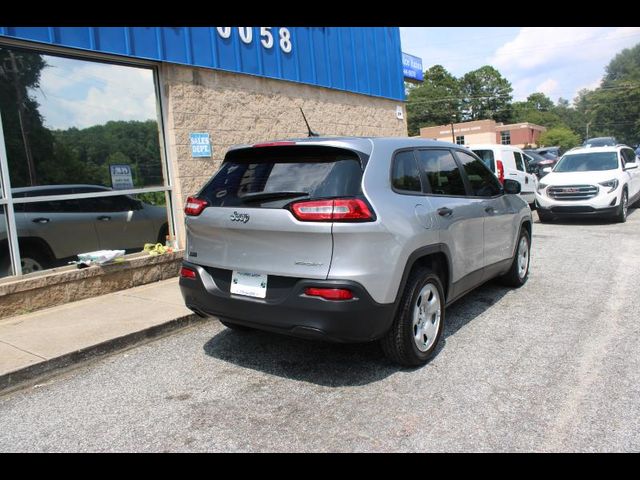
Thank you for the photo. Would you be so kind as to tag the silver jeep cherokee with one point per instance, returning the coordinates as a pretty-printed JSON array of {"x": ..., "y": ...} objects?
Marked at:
[{"x": 351, "y": 239}]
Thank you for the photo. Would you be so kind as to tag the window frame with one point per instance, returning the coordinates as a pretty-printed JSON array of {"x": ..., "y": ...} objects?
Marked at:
[
  {"x": 7, "y": 201},
  {"x": 503, "y": 134}
]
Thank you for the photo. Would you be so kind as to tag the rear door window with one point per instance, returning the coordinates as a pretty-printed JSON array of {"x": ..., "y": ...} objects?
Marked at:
[{"x": 271, "y": 177}]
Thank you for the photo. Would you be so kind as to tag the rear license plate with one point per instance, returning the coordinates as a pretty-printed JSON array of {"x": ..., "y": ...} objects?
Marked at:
[{"x": 249, "y": 284}]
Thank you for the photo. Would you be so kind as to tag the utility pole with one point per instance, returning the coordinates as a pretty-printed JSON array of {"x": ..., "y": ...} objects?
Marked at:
[
  {"x": 588, "y": 123},
  {"x": 25, "y": 137},
  {"x": 453, "y": 136}
]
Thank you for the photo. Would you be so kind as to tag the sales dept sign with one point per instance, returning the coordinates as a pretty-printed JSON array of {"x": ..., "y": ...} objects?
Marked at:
[{"x": 200, "y": 145}]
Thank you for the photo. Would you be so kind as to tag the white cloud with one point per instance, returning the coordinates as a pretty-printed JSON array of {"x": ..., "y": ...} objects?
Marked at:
[
  {"x": 81, "y": 94},
  {"x": 548, "y": 87}
]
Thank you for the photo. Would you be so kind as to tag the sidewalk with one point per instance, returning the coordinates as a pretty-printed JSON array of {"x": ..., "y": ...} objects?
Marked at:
[{"x": 35, "y": 344}]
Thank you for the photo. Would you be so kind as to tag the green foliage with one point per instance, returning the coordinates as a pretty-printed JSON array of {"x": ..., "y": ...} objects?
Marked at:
[
  {"x": 563, "y": 137},
  {"x": 435, "y": 101},
  {"x": 486, "y": 95}
]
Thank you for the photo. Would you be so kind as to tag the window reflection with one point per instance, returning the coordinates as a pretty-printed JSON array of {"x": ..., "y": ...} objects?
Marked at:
[
  {"x": 52, "y": 233},
  {"x": 66, "y": 120}
]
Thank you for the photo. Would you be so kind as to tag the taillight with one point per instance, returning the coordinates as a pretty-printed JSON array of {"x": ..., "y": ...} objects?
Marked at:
[
  {"x": 329, "y": 293},
  {"x": 345, "y": 210},
  {"x": 195, "y": 206},
  {"x": 500, "y": 171},
  {"x": 187, "y": 273}
]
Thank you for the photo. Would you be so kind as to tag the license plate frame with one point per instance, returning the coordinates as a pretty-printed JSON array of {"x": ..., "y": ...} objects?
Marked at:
[{"x": 249, "y": 284}]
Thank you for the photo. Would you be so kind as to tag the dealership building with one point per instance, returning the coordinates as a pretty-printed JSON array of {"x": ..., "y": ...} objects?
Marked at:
[
  {"x": 486, "y": 131},
  {"x": 107, "y": 130}
]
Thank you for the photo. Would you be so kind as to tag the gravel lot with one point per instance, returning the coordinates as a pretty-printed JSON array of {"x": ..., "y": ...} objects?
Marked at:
[{"x": 553, "y": 366}]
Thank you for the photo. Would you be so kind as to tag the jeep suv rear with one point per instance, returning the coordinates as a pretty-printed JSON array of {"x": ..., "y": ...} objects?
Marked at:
[{"x": 351, "y": 239}]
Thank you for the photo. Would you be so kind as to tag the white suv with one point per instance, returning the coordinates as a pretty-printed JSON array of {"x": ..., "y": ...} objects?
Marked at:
[
  {"x": 506, "y": 161},
  {"x": 590, "y": 181}
]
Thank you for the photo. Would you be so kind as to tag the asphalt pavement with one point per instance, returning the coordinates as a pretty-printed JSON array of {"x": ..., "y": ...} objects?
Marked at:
[{"x": 553, "y": 366}]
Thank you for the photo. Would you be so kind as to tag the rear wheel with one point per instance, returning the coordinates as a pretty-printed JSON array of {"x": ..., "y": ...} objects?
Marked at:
[{"x": 418, "y": 325}]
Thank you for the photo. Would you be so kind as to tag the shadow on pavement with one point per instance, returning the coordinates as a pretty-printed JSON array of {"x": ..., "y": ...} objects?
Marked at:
[{"x": 334, "y": 364}]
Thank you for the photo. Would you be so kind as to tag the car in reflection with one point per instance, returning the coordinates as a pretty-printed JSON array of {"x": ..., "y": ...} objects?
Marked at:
[{"x": 52, "y": 232}]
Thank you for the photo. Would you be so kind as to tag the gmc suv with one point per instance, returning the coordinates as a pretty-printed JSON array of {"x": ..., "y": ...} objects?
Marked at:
[{"x": 351, "y": 239}]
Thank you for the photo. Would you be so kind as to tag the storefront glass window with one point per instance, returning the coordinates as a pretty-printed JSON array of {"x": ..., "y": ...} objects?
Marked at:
[{"x": 80, "y": 129}]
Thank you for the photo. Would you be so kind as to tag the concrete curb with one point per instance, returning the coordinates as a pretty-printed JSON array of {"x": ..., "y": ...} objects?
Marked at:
[{"x": 33, "y": 373}]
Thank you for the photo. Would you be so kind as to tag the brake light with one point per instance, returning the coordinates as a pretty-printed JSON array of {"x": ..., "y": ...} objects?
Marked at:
[
  {"x": 329, "y": 293},
  {"x": 187, "y": 273},
  {"x": 351, "y": 209},
  {"x": 195, "y": 206},
  {"x": 500, "y": 171},
  {"x": 273, "y": 144}
]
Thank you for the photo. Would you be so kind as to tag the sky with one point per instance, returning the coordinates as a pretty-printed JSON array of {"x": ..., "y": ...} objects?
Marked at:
[
  {"x": 557, "y": 61},
  {"x": 77, "y": 93}
]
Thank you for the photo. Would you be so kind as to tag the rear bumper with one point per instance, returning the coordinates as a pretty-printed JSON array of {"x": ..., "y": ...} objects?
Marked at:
[{"x": 287, "y": 309}]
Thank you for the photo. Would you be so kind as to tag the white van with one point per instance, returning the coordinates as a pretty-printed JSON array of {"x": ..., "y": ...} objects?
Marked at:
[{"x": 506, "y": 161}]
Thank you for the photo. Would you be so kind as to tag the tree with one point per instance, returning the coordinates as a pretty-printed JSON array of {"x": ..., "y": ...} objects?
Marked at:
[
  {"x": 486, "y": 95},
  {"x": 563, "y": 137},
  {"x": 435, "y": 101},
  {"x": 613, "y": 109}
]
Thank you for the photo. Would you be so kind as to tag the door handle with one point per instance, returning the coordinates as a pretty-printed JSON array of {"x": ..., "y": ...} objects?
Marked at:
[
  {"x": 490, "y": 210},
  {"x": 104, "y": 218},
  {"x": 513, "y": 174},
  {"x": 41, "y": 220},
  {"x": 445, "y": 212}
]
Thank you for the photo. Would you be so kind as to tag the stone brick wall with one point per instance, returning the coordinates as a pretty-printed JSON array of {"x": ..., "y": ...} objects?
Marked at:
[{"x": 238, "y": 109}]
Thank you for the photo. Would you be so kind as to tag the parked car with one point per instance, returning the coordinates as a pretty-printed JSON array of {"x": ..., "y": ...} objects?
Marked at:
[
  {"x": 538, "y": 162},
  {"x": 506, "y": 161},
  {"x": 549, "y": 152},
  {"x": 601, "y": 181},
  {"x": 600, "y": 142},
  {"x": 351, "y": 239},
  {"x": 52, "y": 232}
]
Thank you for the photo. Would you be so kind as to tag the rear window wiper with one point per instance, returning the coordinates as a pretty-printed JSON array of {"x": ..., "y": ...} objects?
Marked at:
[{"x": 254, "y": 197}]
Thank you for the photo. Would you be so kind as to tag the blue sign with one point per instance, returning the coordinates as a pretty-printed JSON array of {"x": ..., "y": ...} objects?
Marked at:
[
  {"x": 412, "y": 68},
  {"x": 200, "y": 145},
  {"x": 364, "y": 60}
]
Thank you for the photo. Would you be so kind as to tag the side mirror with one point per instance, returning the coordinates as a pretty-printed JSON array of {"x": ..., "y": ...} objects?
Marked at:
[
  {"x": 512, "y": 187},
  {"x": 630, "y": 166},
  {"x": 547, "y": 169}
]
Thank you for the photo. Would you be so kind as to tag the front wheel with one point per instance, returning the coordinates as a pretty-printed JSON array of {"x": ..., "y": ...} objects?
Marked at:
[
  {"x": 418, "y": 325},
  {"x": 621, "y": 216},
  {"x": 519, "y": 271}
]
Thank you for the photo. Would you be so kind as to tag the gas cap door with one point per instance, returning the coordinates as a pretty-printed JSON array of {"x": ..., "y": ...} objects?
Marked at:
[{"x": 424, "y": 215}]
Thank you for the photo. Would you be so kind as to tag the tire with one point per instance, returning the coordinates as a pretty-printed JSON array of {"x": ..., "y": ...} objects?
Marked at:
[
  {"x": 621, "y": 215},
  {"x": 400, "y": 344},
  {"x": 235, "y": 326},
  {"x": 544, "y": 217},
  {"x": 34, "y": 260},
  {"x": 519, "y": 271}
]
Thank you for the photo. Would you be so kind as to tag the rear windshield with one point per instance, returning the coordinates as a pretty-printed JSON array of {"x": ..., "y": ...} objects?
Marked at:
[
  {"x": 487, "y": 158},
  {"x": 274, "y": 176},
  {"x": 585, "y": 162}
]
